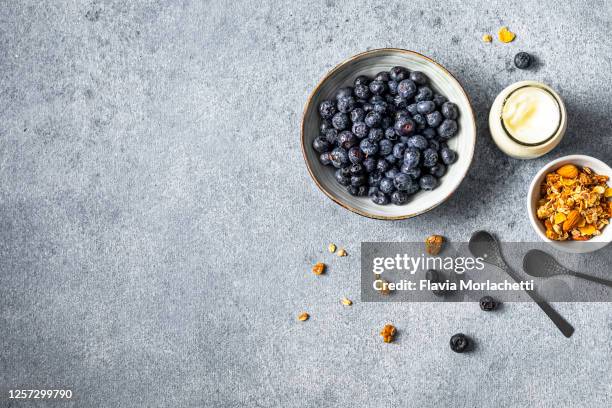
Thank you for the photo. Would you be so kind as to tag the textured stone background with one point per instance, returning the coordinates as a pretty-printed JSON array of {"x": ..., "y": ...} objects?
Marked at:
[{"x": 158, "y": 224}]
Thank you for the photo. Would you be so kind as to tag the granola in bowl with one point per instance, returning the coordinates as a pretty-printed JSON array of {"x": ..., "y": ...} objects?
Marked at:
[{"x": 575, "y": 203}]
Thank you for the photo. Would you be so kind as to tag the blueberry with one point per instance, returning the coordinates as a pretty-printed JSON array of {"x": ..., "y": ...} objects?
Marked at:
[
  {"x": 423, "y": 107},
  {"x": 344, "y": 92},
  {"x": 355, "y": 155},
  {"x": 390, "y": 134},
  {"x": 392, "y": 172},
  {"x": 325, "y": 158},
  {"x": 447, "y": 129},
  {"x": 420, "y": 121},
  {"x": 345, "y": 105},
  {"x": 369, "y": 164},
  {"x": 367, "y": 107},
  {"x": 414, "y": 172},
  {"x": 412, "y": 157},
  {"x": 376, "y": 99},
  {"x": 429, "y": 133},
  {"x": 439, "y": 100},
  {"x": 342, "y": 178},
  {"x": 325, "y": 125},
  {"x": 386, "y": 122},
  {"x": 375, "y": 135},
  {"x": 362, "y": 91},
  {"x": 434, "y": 119},
  {"x": 383, "y": 165},
  {"x": 360, "y": 191},
  {"x": 356, "y": 169},
  {"x": 392, "y": 85},
  {"x": 459, "y": 343},
  {"x": 402, "y": 113},
  {"x": 428, "y": 182},
  {"x": 424, "y": 94},
  {"x": 320, "y": 144},
  {"x": 438, "y": 170},
  {"x": 406, "y": 88},
  {"x": 398, "y": 73},
  {"x": 450, "y": 110},
  {"x": 377, "y": 87},
  {"x": 418, "y": 77},
  {"x": 380, "y": 107},
  {"x": 374, "y": 178},
  {"x": 382, "y": 76},
  {"x": 399, "y": 102},
  {"x": 346, "y": 139},
  {"x": 340, "y": 121},
  {"x": 448, "y": 156},
  {"x": 360, "y": 129},
  {"x": 359, "y": 180},
  {"x": 357, "y": 115},
  {"x": 385, "y": 147},
  {"x": 434, "y": 144},
  {"x": 373, "y": 119},
  {"x": 404, "y": 126},
  {"x": 332, "y": 136},
  {"x": 402, "y": 181},
  {"x": 399, "y": 197},
  {"x": 430, "y": 157},
  {"x": 379, "y": 198},
  {"x": 398, "y": 150},
  {"x": 392, "y": 159},
  {"x": 327, "y": 109},
  {"x": 386, "y": 185},
  {"x": 418, "y": 142},
  {"x": 368, "y": 147},
  {"x": 433, "y": 276},
  {"x": 339, "y": 157},
  {"x": 361, "y": 80},
  {"x": 487, "y": 303},
  {"x": 522, "y": 60},
  {"x": 412, "y": 109}
]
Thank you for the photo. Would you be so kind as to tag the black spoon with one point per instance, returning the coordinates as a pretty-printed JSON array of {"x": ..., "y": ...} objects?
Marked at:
[
  {"x": 484, "y": 245},
  {"x": 542, "y": 265}
]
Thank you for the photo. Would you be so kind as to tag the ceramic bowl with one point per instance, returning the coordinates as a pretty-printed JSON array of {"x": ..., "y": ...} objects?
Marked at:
[
  {"x": 370, "y": 63},
  {"x": 533, "y": 196}
]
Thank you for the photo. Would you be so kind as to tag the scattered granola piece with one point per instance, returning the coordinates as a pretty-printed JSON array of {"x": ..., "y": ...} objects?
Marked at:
[
  {"x": 319, "y": 268},
  {"x": 505, "y": 35},
  {"x": 383, "y": 285},
  {"x": 302, "y": 317},
  {"x": 388, "y": 333},
  {"x": 346, "y": 302},
  {"x": 342, "y": 252},
  {"x": 433, "y": 244},
  {"x": 487, "y": 38},
  {"x": 331, "y": 248}
]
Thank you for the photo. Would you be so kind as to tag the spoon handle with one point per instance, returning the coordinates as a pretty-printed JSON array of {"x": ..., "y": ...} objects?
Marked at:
[{"x": 592, "y": 278}]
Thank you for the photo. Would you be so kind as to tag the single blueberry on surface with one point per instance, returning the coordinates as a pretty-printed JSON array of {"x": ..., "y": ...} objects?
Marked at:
[
  {"x": 428, "y": 182},
  {"x": 385, "y": 147},
  {"x": 425, "y": 107},
  {"x": 522, "y": 60},
  {"x": 424, "y": 94},
  {"x": 418, "y": 77},
  {"x": 434, "y": 119},
  {"x": 418, "y": 142},
  {"x": 412, "y": 157},
  {"x": 448, "y": 155},
  {"x": 373, "y": 119},
  {"x": 320, "y": 144},
  {"x": 340, "y": 121},
  {"x": 346, "y": 139},
  {"x": 447, "y": 129},
  {"x": 360, "y": 129},
  {"x": 386, "y": 185},
  {"x": 406, "y": 88},
  {"x": 459, "y": 343},
  {"x": 399, "y": 197},
  {"x": 430, "y": 157},
  {"x": 450, "y": 110},
  {"x": 327, "y": 109},
  {"x": 376, "y": 135},
  {"x": 377, "y": 87},
  {"x": 487, "y": 303},
  {"x": 404, "y": 126},
  {"x": 355, "y": 155}
]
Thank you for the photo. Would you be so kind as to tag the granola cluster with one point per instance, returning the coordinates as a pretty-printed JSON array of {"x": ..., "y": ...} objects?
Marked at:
[{"x": 575, "y": 203}]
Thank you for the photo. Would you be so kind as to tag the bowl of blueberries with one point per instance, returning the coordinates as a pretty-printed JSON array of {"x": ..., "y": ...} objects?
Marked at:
[{"x": 388, "y": 134}]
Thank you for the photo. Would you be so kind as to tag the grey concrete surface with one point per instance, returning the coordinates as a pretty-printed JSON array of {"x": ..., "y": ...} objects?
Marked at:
[{"x": 158, "y": 224}]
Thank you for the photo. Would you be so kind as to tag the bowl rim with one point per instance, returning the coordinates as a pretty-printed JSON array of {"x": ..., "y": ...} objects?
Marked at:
[
  {"x": 342, "y": 65},
  {"x": 533, "y": 186}
]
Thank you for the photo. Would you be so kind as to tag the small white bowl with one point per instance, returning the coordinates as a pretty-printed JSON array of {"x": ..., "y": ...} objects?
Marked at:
[
  {"x": 370, "y": 63},
  {"x": 577, "y": 247}
]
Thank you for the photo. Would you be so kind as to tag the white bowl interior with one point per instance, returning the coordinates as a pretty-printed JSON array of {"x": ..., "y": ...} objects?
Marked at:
[
  {"x": 442, "y": 82},
  {"x": 593, "y": 244}
]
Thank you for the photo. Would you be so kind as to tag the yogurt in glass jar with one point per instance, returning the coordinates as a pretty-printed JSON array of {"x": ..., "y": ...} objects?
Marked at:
[{"x": 527, "y": 120}]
